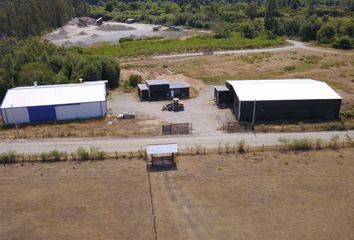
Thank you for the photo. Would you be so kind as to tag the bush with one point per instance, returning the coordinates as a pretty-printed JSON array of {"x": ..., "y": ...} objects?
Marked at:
[
  {"x": 319, "y": 143},
  {"x": 247, "y": 30},
  {"x": 82, "y": 154},
  {"x": 344, "y": 42},
  {"x": 134, "y": 80},
  {"x": 96, "y": 154},
  {"x": 326, "y": 33},
  {"x": 333, "y": 143},
  {"x": 284, "y": 141},
  {"x": 8, "y": 158},
  {"x": 241, "y": 146},
  {"x": 303, "y": 144},
  {"x": 125, "y": 39},
  {"x": 221, "y": 30}
]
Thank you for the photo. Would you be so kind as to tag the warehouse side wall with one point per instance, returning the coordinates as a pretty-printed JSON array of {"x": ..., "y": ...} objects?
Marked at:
[
  {"x": 80, "y": 111},
  {"x": 291, "y": 109},
  {"x": 21, "y": 115}
]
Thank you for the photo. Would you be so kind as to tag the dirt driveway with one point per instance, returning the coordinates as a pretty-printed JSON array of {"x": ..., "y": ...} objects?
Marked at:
[{"x": 200, "y": 111}]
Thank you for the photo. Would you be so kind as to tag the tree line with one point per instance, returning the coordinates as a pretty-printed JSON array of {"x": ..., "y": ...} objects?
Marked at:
[
  {"x": 22, "y": 18},
  {"x": 325, "y": 21},
  {"x": 32, "y": 60}
]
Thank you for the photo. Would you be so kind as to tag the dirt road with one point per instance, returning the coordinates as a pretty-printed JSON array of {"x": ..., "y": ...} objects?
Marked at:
[{"x": 212, "y": 140}]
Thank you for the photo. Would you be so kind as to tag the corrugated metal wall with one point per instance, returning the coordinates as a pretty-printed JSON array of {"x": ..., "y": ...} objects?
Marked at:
[{"x": 54, "y": 113}]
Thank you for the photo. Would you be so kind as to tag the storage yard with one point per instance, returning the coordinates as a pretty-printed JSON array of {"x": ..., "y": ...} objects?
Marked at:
[{"x": 208, "y": 197}]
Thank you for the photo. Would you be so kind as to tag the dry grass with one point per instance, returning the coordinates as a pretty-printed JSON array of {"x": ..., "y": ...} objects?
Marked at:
[
  {"x": 270, "y": 195},
  {"x": 109, "y": 127}
]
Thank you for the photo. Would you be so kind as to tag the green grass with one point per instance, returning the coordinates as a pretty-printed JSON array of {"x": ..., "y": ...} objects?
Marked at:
[{"x": 174, "y": 45}]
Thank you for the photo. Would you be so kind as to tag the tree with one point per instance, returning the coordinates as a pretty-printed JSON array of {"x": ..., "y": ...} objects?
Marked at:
[
  {"x": 110, "y": 72},
  {"x": 247, "y": 30},
  {"x": 221, "y": 30},
  {"x": 35, "y": 72},
  {"x": 269, "y": 20},
  {"x": 251, "y": 10},
  {"x": 134, "y": 80},
  {"x": 348, "y": 29},
  {"x": 326, "y": 33},
  {"x": 308, "y": 30},
  {"x": 344, "y": 42},
  {"x": 92, "y": 71},
  {"x": 109, "y": 7}
]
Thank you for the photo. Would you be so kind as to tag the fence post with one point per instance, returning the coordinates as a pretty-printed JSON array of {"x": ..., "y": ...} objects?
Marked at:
[{"x": 116, "y": 155}]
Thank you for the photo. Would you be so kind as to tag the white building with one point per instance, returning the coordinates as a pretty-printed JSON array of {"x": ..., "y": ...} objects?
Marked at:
[{"x": 48, "y": 103}]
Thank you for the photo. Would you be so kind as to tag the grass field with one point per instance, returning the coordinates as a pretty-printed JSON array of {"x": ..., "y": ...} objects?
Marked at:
[
  {"x": 304, "y": 195},
  {"x": 139, "y": 48}
]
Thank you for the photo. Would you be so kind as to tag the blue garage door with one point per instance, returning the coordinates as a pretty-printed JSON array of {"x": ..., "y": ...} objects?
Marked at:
[{"x": 42, "y": 114}]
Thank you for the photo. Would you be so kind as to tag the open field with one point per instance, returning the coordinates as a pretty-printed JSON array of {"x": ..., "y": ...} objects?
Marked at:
[
  {"x": 141, "y": 48},
  {"x": 306, "y": 195}
]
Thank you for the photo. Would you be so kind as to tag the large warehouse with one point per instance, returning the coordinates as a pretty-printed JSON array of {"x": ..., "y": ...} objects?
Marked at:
[
  {"x": 153, "y": 90},
  {"x": 281, "y": 99},
  {"x": 48, "y": 103}
]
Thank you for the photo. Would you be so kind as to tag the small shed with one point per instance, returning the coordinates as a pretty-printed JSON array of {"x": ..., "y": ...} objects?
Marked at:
[
  {"x": 158, "y": 89},
  {"x": 222, "y": 96},
  {"x": 162, "y": 155},
  {"x": 179, "y": 90},
  {"x": 143, "y": 92}
]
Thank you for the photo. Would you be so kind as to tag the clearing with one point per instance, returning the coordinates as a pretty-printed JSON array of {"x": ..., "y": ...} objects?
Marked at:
[{"x": 305, "y": 195}]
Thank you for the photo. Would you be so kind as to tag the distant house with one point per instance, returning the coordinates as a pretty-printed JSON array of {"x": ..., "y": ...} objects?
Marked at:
[
  {"x": 130, "y": 20},
  {"x": 99, "y": 21},
  {"x": 175, "y": 28},
  {"x": 36, "y": 104},
  {"x": 279, "y": 99},
  {"x": 153, "y": 90}
]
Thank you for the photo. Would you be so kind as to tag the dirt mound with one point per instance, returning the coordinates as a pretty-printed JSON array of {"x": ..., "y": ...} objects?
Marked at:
[
  {"x": 112, "y": 28},
  {"x": 82, "y": 33},
  {"x": 62, "y": 34},
  {"x": 68, "y": 44},
  {"x": 95, "y": 35}
]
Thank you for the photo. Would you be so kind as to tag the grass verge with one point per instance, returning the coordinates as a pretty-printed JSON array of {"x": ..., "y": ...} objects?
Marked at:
[{"x": 150, "y": 47}]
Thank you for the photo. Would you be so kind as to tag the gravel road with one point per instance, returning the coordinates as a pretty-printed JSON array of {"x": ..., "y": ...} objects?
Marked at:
[{"x": 211, "y": 140}]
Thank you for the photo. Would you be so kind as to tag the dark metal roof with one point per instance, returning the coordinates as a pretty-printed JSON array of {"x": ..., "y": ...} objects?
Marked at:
[
  {"x": 176, "y": 85},
  {"x": 221, "y": 88},
  {"x": 156, "y": 82}
]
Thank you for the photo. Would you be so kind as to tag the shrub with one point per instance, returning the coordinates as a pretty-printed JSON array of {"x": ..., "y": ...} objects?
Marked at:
[
  {"x": 338, "y": 126},
  {"x": 96, "y": 154},
  {"x": 319, "y": 143},
  {"x": 344, "y": 42},
  {"x": 221, "y": 30},
  {"x": 82, "y": 154},
  {"x": 247, "y": 30},
  {"x": 241, "y": 146},
  {"x": 125, "y": 39},
  {"x": 289, "y": 68},
  {"x": 284, "y": 141},
  {"x": 349, "y": 140},
  {"x": 326, "y": 33},
  {"x": 134, "y": 80},
  {"x": 302, "y": 144},
  {"x": 8, "y": 158},
  {"x": 334, "y": 142}
]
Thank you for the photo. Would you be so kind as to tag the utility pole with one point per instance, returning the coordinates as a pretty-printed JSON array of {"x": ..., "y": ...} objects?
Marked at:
[
  {"x": 13, "y": 115},
  {"x": 254, "y": 114}
]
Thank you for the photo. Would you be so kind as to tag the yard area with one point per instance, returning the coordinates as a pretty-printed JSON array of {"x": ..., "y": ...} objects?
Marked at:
[{"x": 305, "y": 195}]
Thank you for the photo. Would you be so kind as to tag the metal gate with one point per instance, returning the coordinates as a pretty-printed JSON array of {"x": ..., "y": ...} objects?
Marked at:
[
  {"x": 231, "y": 127},
  {"x": 177, "y": 128}
]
